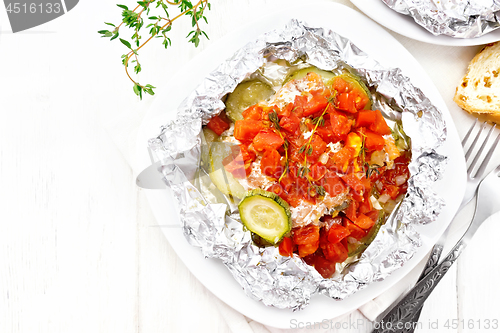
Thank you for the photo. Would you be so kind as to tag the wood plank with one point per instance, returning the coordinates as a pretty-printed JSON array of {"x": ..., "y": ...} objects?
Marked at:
[
  {"x": 169, "y": 295},
  {"x": 477, "y": 274}
]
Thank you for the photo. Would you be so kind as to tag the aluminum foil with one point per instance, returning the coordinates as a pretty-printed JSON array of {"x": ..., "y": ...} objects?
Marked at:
[
  {"x": 454, "y": 18},
  {"x": 213, "y": 224}
]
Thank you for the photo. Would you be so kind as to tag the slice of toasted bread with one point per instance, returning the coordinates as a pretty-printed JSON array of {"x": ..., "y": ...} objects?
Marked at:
[{"x": 479, "y": 91}]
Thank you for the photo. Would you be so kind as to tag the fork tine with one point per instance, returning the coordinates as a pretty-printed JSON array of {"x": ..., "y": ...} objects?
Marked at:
[
  {"x": 483, "y": 165},
  {"x": 471, "y": 167},
  {"x": 464, "y": 141},
  {"x": 471, "y": 148}
]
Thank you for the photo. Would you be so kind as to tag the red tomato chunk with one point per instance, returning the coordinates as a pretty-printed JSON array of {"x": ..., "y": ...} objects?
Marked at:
[
  {"x": 217, "y": 125},
  {"x": 325, "y": 145}
]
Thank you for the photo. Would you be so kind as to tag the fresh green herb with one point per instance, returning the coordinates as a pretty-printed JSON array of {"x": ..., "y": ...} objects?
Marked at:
[
  {"x": 273, "y": 117},
  {"x": 370, "y": 169},
  {"x": 159, "y": 25},
  {"x": 320, "y": 190},
  {"x": 303, "y": 171},
  {"x": 319, "y": 120},
  {"x": 314, "y": 190}
]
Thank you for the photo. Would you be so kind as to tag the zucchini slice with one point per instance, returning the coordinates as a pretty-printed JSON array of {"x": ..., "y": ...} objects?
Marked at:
[
  {"x": 208, "y": 136},
  {"x": 245, "y": 95},
  {"x": 327, "y": 76},
  {"x": 265, "y": 214},
  {"x": 225, "y": 181}
]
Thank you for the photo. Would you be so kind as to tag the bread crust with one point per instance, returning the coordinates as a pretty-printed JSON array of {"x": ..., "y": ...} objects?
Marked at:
[{"x": 479, "y": 90}]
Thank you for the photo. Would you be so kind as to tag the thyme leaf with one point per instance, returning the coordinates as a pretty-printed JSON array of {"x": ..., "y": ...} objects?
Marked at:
[{"x": 158, "y": 25}]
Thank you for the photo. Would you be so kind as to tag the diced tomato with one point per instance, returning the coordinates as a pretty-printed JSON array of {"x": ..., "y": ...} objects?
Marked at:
[
  {"x": 391, "y": 190},
  {"x": 379, "y": 125},
  {"x": 335, "y": 252},
  {"x": 311, "y": 259},
  {"x": 341, "y": 126},
  {"x": 290, "y": 123},
  {"x": 342, "y": 158},
  {"x": 341, "y": 85},
  {"x": 248, "y": 155},
  {"x": 325, "y": 130},
  {"x": 400, "y": 169},
  {"x": 364, "y": 222},
  {"x": 318, "y": 147},
  {"x": 306, "y": 235},
  {"x": 217, "y": 125},
  {"x": 246, "y": 130},
  {"x": 316, "y": 78},
  {"x": 355, "y": 231},
  {"x": 277, "y": 189},
  {"x": 295, "y": 143},
  {"x": 286, "y": 247},
  {"x": 307, "y": 249},
  {"x": 328, "y": 220},
  {"x": 361, "y": 99},
  {"x": 351, "y": 210},
  {"x": 373, "y": 141},
  {"x": 235, "y": 165},
  {"x": 318, "y": 171},
  {"x": 300, "y": 101},
  {"x": 366, "y": 205},
  {"x": 288, "y": 180},
  {"x": 270, "y": 163},
  {"x": 351, "y": 97},
  {"x": 294, "y": 197},
  {"x": 253, "y": 113},
  {"x": 317, "y": 103},
  {"x": 337, "y": 232},
  {"x": 347, "y": 102},
  {"x": 267, "y": 139},
  {"x": 325, "y": 267},
  {"x": 298, "y": 190},
  {"x": 333, "y": 184},
  {"x": 358, "y": 185},
  {"x": 373, "y": 215},
  {"x": 365, "y": 118},
  {"x": 286, "y": 111}
]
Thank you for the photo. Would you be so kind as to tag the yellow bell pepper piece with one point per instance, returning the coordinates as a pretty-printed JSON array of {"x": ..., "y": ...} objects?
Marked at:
[{"x": 353, "y": 140}]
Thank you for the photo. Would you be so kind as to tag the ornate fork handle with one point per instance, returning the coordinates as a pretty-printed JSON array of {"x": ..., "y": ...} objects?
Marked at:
[
  {"x": 433, "y": 260},
  {"x": 399, "y": 319}
]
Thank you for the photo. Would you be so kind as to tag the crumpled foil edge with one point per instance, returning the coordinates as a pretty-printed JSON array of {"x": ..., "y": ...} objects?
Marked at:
[
  {"x": 266, "y": 276},
  {"x": 454, "y": 18}
]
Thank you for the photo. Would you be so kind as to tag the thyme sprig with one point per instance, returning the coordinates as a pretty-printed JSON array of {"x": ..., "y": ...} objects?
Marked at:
[
  {"x": 317, "y": 189},
  {"x": 319, "y": 120},
  {"x": 368, "y": 168},
  {"x": 159, "y": 25},
  {"x": 273, "y": 117},
  {"x": 307, "y": 148},
  {"x": 371, "y": 169}
]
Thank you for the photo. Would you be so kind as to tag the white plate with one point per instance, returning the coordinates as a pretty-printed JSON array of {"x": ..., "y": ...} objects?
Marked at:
[
  {"x": 406, "y": 26},
  {"x": 211, "y": 272}
]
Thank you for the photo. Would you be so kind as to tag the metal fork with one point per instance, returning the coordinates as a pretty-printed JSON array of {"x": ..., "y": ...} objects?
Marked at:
[
  {"x": 400, "y": 318},
  {"x": 473, "y": 180}
]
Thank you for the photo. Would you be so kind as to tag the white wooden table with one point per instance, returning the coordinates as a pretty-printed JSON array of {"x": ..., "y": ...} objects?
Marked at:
[{"x": 79, "y": 247}]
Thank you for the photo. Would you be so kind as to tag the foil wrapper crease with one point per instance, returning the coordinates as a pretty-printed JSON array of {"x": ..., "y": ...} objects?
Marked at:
[{"x": 215, "y": 228}]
